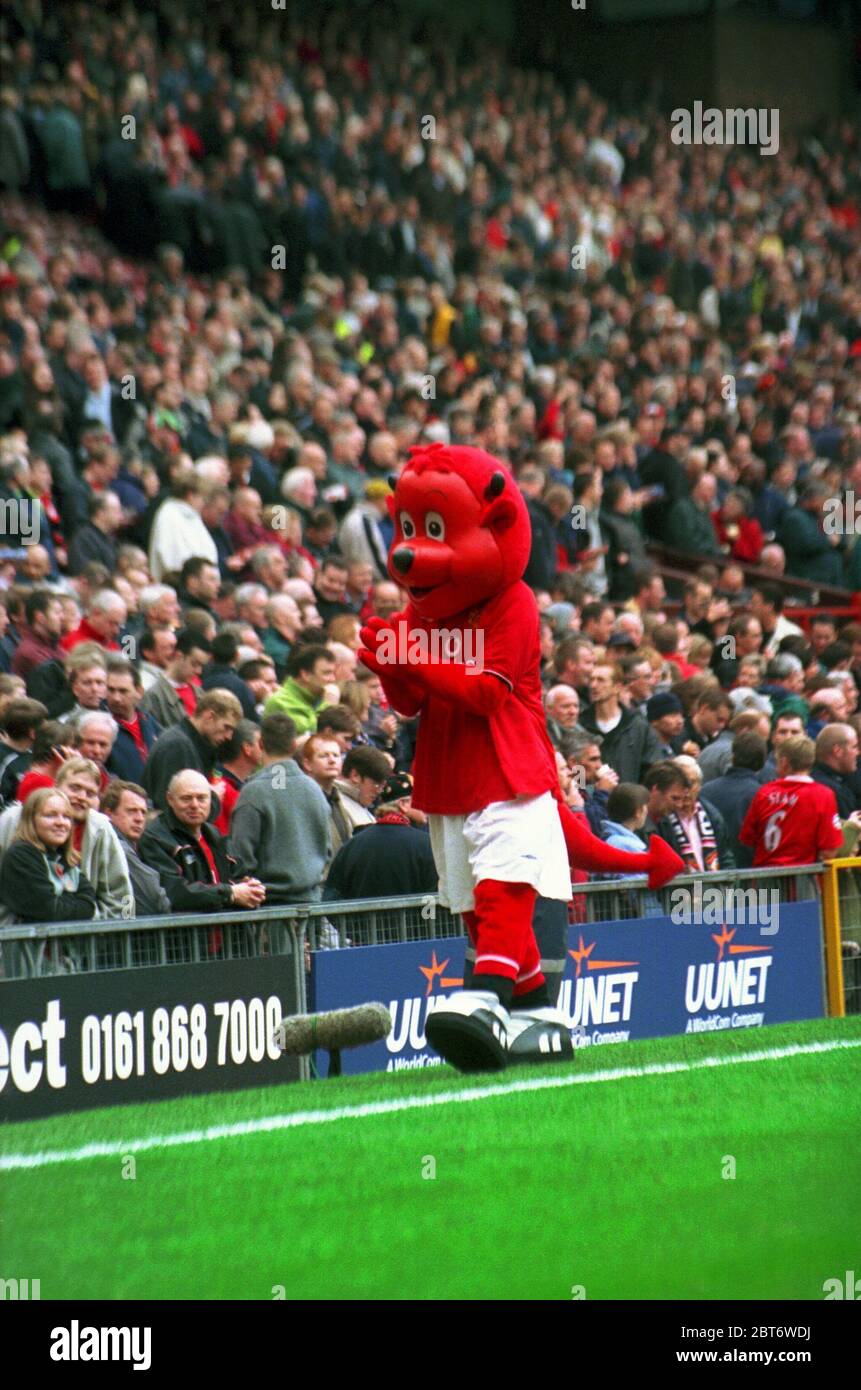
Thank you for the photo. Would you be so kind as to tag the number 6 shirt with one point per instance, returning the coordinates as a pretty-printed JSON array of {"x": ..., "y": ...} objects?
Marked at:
[{"x": 791, "y": 821}]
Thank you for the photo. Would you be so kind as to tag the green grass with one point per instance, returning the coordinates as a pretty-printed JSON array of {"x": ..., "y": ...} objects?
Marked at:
[{"x": 616, "y": 1186}]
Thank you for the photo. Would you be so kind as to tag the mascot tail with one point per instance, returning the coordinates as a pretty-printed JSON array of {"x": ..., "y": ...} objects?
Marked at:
[{"x": 586, "y": 851}]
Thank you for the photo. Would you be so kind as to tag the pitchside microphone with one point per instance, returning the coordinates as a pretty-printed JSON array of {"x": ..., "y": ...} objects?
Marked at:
[{"x": 367, "y": 1023}]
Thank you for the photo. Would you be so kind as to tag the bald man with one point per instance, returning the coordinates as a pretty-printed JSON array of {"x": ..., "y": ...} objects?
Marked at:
[{"x": 191, "y": 856}]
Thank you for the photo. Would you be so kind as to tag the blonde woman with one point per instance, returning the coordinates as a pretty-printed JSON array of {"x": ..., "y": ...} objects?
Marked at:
[{"x": 41, "y": 879}]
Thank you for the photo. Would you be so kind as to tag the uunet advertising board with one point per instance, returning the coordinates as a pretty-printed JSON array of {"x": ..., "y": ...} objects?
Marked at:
[{"x": 646, "y": 978}]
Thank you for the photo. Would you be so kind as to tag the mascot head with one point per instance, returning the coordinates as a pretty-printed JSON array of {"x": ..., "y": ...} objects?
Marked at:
[{"x": 462, "y": 530}]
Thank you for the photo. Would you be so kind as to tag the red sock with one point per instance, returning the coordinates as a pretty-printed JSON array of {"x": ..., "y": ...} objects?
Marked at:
[{"x": 503, "y": 926}]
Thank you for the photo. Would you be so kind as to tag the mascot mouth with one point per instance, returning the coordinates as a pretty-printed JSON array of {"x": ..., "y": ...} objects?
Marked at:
[{"x": 415, "y": 592}]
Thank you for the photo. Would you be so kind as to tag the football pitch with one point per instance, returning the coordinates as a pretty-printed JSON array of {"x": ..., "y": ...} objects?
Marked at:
[{"x": 701, "y": 1167}]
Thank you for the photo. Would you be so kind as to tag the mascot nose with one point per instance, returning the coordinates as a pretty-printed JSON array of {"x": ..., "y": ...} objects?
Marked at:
[{"x": 402, "y": 559}]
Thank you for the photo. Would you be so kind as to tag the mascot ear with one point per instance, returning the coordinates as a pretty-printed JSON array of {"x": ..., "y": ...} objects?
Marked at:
[{"x": 501, "y": 515}]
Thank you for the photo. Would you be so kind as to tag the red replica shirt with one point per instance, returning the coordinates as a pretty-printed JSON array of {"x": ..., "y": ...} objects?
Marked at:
[
  {"x": 133, "y": 727},
  {"x": 791, "y": 822},
  {"x": 464, "y": 761}
]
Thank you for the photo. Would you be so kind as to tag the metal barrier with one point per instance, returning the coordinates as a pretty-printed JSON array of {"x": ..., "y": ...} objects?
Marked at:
[{"x": 60, "y": 948}]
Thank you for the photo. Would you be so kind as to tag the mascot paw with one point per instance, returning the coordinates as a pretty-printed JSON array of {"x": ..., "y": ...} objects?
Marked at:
[{"x": 664, "y": 863}]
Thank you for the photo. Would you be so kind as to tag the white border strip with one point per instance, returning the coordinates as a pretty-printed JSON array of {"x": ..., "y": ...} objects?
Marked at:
[{"x": 301, "y": 1118}]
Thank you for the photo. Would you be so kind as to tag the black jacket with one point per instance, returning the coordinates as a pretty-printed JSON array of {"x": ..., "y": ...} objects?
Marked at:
[
  {"x": 382, "y": 861},
  {"x": 89, "y": 543},
  {"x": 225, "y": 678},
  {"x": 169, "y": 848},
  {"x": 827, "y": 777},
  {"x": 542, "y": 564},
  {"x": 26, "y": 889},
  {"x": 629, "y": 748},
  {"x": 731, "y": 796},
  {"x": 176, "y": 750},
  {"x": 125, "y": 760}
]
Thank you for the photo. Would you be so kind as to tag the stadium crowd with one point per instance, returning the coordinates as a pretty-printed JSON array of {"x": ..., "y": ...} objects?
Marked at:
[{"x": 221, "y": 328}]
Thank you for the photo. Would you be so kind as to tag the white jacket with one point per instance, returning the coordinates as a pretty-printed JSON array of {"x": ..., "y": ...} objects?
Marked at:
[
  {"x": 102, "y": 860},
  {"x": 178, "y": 533}
]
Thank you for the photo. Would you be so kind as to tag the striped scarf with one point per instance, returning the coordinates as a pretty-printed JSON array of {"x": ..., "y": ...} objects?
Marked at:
[{"x": 684, "y": 847}]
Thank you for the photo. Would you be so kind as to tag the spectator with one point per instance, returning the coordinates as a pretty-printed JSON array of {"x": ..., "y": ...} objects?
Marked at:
[
  {"x": 41, "y": 879},
  {"x": 627, "y": 813},
  {"x": 364, "y": 772},
  {"x": 94, "y": 735},
  {"x": 738, "y": 532},
  {"x": 96, "y": 539},
  {"x": 321, "y": 759},
  {"x": 259, "y": 675},
  {"x": 340, "y": 723},
  {"x": 105, "y": 620},
  {"x": 281, "y": 823},
  {"x": 711, "y": 714},
  {"x": 192, "y": 743},
  {"x": 173, "y": 695},
  {"x": 220, "y": 673},
  {"x": 156, "y": 646},
  {"x": 667, "y": 786},
  {"x": 594, "y": 779},
  {"x": 178, "y": 531},
  {"x": 716, "y": 760},
  {"x": 199, "y": 583},
  {"x": 690, "y": 830},
  {"x": 93, "y": 836},
  {"x": 240, "y": 758},
  {"x": 836, "y": 763},
  {"x": 283, "y": 624},
  {"x": 792, "y": 820},
  {"x": 629, "y": 745},
  {"x": 364, "y": 535},
  {"x": 665, "y": 713},
  {"x": 329, "y": 588},
  {"x": 190, "y": 855},
  {"x": 390, "y": 856},
  {"x": 87, "y": 676},
  {"x": 125, "y": 805},
  {"x": 19, "y": 725},
  {"x": 39, "y": 767},
  {"x": 689, "y": 526},
  {"x": 39, "y": 643},
  {"x": 310, "y": 669},
  {"x": 574, "y": 664},
  {"x": 136, "y": 730},
  {"x": 562, "y": 706},
  {"x": 766, "y": 604},
  {"x": 811, "y": 553},
  {"x": 732, "y": 793}
]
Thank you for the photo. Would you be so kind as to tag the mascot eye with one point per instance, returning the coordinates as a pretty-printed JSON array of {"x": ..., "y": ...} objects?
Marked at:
[
  {"x": 435, "y": 526},
  {"x": 408, "y": 526}
]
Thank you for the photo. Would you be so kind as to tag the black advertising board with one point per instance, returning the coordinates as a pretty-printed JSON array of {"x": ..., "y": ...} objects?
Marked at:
[{"x": 72, "y": 1042}]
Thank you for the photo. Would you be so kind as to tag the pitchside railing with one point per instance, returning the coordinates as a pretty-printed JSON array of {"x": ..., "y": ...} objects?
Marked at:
[{"x": 28, "y": 952}]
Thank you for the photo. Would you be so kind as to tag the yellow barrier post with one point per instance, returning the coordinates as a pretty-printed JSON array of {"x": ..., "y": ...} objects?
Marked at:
[{"x": 831, "y": 915}]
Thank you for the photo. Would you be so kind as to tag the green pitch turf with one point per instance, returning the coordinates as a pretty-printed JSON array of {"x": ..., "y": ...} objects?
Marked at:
[{"x": 615, "y": 1187}]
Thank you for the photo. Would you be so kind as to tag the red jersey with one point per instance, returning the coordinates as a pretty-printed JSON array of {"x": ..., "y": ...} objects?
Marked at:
[
  {"x": 464, "y": 761},
  {"x": 791, "y": 822}
]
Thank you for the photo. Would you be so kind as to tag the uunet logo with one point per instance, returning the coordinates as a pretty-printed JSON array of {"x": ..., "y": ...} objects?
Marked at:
[
  {"x": 409, "y": 1016},
  {"x": 600, "y": 994}
]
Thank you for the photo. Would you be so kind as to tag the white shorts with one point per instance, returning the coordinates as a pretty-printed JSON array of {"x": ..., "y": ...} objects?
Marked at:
[{"x": 514, "y": 841}]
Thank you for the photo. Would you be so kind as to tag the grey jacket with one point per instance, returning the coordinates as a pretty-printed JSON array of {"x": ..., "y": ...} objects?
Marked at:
[
  {"x": 163, "y": 703},
  {"x": 280, "y": 833}
]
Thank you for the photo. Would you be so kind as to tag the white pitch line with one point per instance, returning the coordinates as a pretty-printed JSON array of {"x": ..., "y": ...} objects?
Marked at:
[{"x": 301, "y": 1118}]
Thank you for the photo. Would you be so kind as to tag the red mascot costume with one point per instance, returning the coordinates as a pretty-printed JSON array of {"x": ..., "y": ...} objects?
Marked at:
[{"x": 464, "y": 655}]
